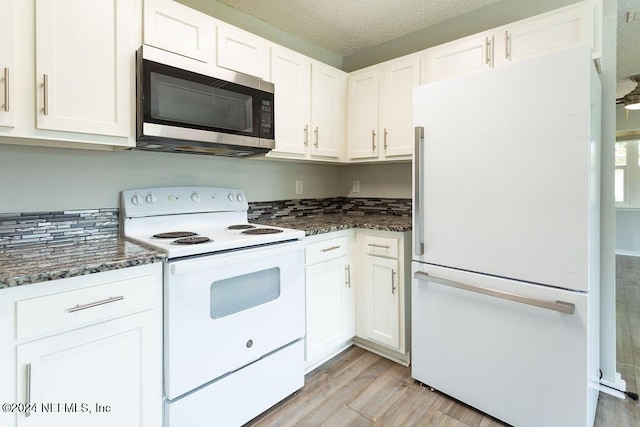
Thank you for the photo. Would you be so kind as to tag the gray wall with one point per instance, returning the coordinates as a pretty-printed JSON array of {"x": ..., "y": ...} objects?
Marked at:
[{"x": 45, "y": 179}]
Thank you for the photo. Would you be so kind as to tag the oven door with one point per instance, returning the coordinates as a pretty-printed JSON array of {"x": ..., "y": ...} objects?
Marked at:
[{"x": 225, "y": 311}]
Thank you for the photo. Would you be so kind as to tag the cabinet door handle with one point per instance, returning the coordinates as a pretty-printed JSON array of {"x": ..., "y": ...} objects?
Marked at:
[
  {"x": 373, "y": 139},
  {"x": 375, "y": 245},
  {"x": 332, "y": 248},
  {"x": 27, "y": 390},
  {"x": 393, "y": 282},
  {"x": 306, "y": 135},
  {"x": 486, "y": 50},
  {"x": 385, "y": 139},
  {"x": 45, "y": 86},
  {"x": 347, "y": 269},
  {"x": 316, "y": 133},
  {"x": 94, "y": 304},
  {"x": 6, "y": 89},
  {"x": 507, "y": 48}
]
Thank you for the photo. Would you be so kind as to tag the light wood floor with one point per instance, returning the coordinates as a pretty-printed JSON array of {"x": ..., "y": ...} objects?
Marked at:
[{"x": 359, "y": 388}]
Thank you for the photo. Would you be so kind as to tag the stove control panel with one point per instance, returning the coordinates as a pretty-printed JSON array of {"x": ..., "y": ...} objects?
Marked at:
[{"x": 179, "y": 200}]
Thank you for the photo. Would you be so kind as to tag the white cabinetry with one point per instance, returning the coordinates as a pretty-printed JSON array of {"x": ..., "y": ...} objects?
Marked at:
[
  {"x": 84, "y": 82},
  {"x": 7, "y": 62},
  {"x": 543, "y": 34},
  {"x": 310, "y": 99},
  {"x": 330, "y": 294},
  {"x": 177, "y": 28},
  {"x": 242, "y": 51},
  {"x": 379, "y": 110},
  {"x": 383, "y": 293},
  {"x": 77, "y": 88},
  {"x": 92, "y": 343}
]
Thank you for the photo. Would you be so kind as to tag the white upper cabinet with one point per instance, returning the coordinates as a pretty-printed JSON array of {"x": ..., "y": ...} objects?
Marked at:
[
  {"x": 309, "y": 107},
  {"x": 7, "y": 63},
  {"x": 177, "y": 28},
  {"x": 397, "y": 80},
  {"x": 84, "y": 83},
  {"x": 458, "y": 57},
  {"x": 291, "y": 75},
  {"x": 547, "y": 33},
  {"x": 328, "y": 89},
  {"x": 362, "y": 113},
  {"x": 543, "y": 34},
  {"x": 379, "y": 110},
  {"x": 242, "y": 51}
]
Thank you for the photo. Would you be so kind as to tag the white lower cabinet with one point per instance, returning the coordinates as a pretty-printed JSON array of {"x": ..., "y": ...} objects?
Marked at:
[
  {"x": 357, "y": 292},
  {"x": 330, "y": 307},
  {"x": 84, "y": 351},
  {"x": 383, "y": 293}
]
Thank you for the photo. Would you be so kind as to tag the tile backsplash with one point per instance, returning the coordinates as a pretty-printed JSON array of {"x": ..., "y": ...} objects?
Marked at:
[{"x": 17, "y": 229}]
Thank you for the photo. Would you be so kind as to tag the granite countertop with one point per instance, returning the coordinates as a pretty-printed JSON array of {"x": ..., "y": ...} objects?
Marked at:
[
  {"x": 321, "y": 224},
  {"x": 44, "y": 262}
]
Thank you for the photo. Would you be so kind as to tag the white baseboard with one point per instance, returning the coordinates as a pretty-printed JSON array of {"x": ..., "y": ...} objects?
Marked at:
[
  {"x": 614, "y": 386},
  {"x": 627, "y": 253}
]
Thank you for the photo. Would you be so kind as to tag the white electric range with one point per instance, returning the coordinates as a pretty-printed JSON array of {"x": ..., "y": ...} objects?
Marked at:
[{"x": 234, "y": 307}]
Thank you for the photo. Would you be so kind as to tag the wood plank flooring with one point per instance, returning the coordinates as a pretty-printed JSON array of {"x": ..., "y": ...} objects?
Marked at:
[{"x": 358, "y": 388}]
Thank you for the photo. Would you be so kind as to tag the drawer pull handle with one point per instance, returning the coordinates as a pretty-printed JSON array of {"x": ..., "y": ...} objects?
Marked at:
[
  {"x": 332, "y": 248},
  {"x": 375, "y": 245},
  {"x": 27, "y": 390},
  {"x": 94, "y": 304}
]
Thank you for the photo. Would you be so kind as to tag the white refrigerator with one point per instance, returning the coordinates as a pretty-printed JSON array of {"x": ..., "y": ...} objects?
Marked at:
[{"x": 505, "y": 291}]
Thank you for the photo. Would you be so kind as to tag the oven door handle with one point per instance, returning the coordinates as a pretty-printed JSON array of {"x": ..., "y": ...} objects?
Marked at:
[{"x": 244, "y": 256}]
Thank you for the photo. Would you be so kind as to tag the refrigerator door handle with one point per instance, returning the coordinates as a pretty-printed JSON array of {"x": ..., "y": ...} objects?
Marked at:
[
  {"x": 418, "y": 220},
  {"x": 560, "y": 306}
]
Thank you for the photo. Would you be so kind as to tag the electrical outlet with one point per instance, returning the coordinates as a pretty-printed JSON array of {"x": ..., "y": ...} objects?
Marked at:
[
  {"x": 356, "y": 186},
  {"x": 298, "y": 187}
]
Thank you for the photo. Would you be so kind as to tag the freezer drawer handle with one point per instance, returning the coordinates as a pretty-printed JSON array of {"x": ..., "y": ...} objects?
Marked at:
[
  {"x": 94, "y": 304},
  {"x": 560, "y": 306},
  {"x": 375, "y": 245}
]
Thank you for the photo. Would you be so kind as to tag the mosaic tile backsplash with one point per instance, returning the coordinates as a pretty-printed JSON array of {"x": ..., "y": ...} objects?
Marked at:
[
  {"x": 18, "y": 229},
  {"x": 344, "y": 205},
  {"x": 57, "y": 227}
]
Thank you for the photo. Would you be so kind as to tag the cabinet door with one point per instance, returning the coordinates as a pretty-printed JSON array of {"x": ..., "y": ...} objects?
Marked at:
[
  {"x": 106, "y": 375},
  {"x": 363, "y": 100},
  {"x": 84, "y": 83},
  {"x": 291, "y": 75},
  {"x": 397, "y": 80},
  {"x": 381, "y": 301},
  {"x": 241, "y": 51},
  {"x": 459, "y": 57},
  {"x": 172, "y": 26},
  {"x": 548, "y": 33},
  {"x": 330, "y": 307},
  {"x": 7, "y": 63},
  {"x": 327, "y": 111}
]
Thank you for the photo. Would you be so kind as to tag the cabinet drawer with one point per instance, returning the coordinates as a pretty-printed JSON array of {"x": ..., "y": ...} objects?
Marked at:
[
  {"x": 327, "y": 249},
  {"x": 68, "y": 310},
  {"x": 382, "y": 246}
]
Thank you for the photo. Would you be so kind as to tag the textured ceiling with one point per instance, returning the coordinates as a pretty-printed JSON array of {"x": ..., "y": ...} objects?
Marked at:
[
  {"x": 628, "y": 45},
  {"x": 348, "y": 26}
]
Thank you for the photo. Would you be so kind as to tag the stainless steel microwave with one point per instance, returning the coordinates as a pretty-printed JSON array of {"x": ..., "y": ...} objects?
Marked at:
[{"x": 185, "y": 106}]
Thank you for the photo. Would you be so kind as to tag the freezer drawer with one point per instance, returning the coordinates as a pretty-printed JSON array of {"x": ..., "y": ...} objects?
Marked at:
[{"x": 478, "y": 338}]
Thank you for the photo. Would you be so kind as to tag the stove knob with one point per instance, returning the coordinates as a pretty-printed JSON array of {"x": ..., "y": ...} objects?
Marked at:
[
  {"x": 239, "y": 197},
  {"x": 151, "y": 199},
  {"x": 195, "y": 197},
  {"x": 137, "y": 201},
  {"x": 231, "y": 197}
]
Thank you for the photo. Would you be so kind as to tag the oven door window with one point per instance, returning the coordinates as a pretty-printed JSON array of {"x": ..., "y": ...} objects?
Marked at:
[{"x": 243, "y": 292}]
